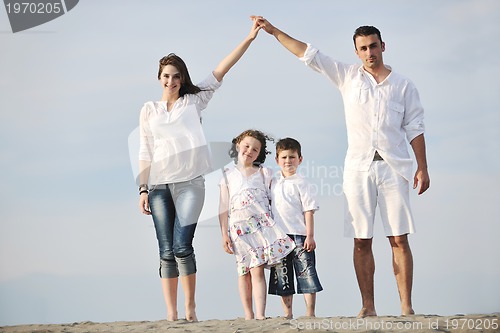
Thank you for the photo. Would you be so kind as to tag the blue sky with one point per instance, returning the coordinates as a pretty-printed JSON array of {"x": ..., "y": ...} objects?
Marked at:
[{"x": 73, "y": 245}]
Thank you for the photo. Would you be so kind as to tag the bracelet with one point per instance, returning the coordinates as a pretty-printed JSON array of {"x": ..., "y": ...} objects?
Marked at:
[{"x": 143, "y": 191}]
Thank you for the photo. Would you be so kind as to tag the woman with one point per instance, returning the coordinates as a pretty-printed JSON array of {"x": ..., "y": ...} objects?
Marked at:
[{"x": 173, "y": 158}]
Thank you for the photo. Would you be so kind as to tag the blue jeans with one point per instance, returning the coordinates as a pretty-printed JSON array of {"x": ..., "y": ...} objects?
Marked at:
[
  {"x": 303, "y": 263},
  {"x": 176, "y": 208}
]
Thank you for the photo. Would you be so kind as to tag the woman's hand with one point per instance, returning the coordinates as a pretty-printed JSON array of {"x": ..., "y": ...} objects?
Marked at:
[
  {"x": 228, "y": 62},
  {"x": 263, "y": 23},
  {"x": 144, "y": 204},
  {"x": 255, "y": 28}
]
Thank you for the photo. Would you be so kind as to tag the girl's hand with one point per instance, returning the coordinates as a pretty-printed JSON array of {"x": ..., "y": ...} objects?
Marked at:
[
  {"x": 144, "y": 204},
  {"x": 227, "y": 244}
]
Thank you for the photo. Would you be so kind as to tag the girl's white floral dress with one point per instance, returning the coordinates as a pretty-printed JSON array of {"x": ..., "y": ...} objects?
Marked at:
[{"x": 257, "y": 240}]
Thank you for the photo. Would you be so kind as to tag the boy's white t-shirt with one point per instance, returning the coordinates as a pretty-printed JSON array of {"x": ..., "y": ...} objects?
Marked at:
[{"x": 290, "y": 198}]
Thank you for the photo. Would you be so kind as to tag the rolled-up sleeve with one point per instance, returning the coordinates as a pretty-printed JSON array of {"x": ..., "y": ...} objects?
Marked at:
[
  {"x": 208, "y": 87},
  {"x": 335, "y": 71},
  {"x": 414, "y": 115},
  {"x": 309, "y": 54},
  {"x": 146, "y": 139}
]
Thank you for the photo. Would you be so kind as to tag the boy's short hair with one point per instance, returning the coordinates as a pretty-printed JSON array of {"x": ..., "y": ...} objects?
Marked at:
[{"x": 288, "y": 144}]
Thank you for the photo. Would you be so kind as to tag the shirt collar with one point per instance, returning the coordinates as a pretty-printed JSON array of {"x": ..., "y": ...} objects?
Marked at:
[
  {"x": 283, "y": 178},
  {"x": 362, "y": 71}
]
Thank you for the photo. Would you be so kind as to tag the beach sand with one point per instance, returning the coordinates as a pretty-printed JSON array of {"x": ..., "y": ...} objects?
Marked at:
[{"x": 417, "y": 323}]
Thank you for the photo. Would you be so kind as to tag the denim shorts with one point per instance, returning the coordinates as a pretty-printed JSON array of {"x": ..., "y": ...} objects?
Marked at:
[{"x": 281, "y": 280}]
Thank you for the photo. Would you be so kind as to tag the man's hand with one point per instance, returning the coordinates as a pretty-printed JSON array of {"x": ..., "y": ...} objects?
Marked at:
[
  {"x": 264, "y": 24},
  {"x": 422, "y": 177}
]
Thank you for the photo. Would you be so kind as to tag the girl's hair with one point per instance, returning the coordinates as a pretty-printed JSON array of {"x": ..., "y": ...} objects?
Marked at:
[
  {"x": 187, "y": 86},
  {"x": 256, "y": 134}
]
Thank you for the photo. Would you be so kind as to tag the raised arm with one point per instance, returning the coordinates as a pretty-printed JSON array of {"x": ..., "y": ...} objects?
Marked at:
[
  {"x": 232, "y": 58},
  {"x": 291, "y": 44}
]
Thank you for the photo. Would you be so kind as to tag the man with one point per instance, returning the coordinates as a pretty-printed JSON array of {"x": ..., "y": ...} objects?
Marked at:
[{"x": 382, "y": 111}]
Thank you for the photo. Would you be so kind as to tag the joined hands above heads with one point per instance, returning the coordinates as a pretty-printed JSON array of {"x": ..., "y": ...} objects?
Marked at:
[{"x": 263, "y": 23}]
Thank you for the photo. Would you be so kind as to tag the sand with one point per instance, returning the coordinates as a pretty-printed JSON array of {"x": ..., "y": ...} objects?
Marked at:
[{"x": 417, "y": 323}]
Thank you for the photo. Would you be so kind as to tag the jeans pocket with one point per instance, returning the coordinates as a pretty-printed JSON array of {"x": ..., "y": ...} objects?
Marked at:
[{"x": 198, "y": 181}]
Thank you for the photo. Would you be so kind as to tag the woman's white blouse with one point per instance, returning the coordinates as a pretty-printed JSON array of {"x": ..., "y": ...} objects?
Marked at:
[{"x": 173, "y": 141}]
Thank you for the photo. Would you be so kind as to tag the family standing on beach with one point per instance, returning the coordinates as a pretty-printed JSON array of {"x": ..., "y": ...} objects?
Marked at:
[{"x": 266, "y": 219}]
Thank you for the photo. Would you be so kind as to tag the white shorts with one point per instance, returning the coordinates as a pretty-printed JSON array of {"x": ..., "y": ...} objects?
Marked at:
[{"x": 380, "y": 185}]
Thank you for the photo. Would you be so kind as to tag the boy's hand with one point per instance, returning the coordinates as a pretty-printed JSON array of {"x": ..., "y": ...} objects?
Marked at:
[{"x": 309, "y": 244}]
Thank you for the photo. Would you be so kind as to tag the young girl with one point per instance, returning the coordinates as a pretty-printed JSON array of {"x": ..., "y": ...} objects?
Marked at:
[{"x": 248, "y": 230}]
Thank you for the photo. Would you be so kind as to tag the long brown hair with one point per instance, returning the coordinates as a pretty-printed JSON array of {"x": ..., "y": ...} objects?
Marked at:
[{"x": 187, "y": 86}]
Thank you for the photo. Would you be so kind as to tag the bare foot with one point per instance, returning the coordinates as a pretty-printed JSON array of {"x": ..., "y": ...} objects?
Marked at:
[
  {"x": 191, "y": 313},
  {"x": 367, "y": 313},
  {"x": 249, "y": 315},
  {"x": 310, "y": 314},
  {"x": 172, "y": 316},
  {"x": 191, "y": 317},
  {"x": 407, "y": 312}
]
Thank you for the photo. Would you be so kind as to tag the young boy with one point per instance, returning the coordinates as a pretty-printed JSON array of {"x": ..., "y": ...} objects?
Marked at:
[{"x": 293, "y": 205}]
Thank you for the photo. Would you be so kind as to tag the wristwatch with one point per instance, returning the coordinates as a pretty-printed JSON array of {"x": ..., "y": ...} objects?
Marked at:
[{"x": 143, "y": 187}]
